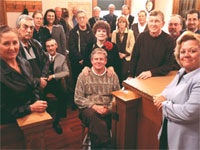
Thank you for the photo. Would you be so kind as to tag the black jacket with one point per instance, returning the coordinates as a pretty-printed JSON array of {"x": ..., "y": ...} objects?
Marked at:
[
  {"x": 17, "y": 91},
  {"x": 75, "y": 45},
  {"x": 40, "y": 57},
  {"x": 111, "y": 20},
  {"x": 130, "y": 19},
  {"x": 92, "y": 21}
]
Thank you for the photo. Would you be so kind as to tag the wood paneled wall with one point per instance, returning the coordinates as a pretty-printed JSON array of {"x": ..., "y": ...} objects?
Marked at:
[
  {"x": 3, "y": 18},
  {"x": 18, "y": 6}
]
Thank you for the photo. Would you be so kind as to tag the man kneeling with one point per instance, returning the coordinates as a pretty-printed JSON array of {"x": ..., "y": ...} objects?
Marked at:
[{"x": 94, "y": 99}]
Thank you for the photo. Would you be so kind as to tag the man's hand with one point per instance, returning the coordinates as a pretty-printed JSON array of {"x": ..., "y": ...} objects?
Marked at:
[
  {"x": 101, "y": 109},
  {"x": 145, "y": 75},
  {"x": 38, "y": 106},
  {"x": 86, "y": 71},
  {"x": 158, "y": 101},
  {"x": 43, "y": 82},
  {"x": 50, "y": 77}
]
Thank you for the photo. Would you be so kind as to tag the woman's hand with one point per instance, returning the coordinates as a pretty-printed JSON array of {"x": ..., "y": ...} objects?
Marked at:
[
  {"x": 158, "y": 101},
  {"x": 110, "y": 71},
  {"x": 38, "y": 106},
  {"x": 122, "y": 55},
  {"x": 86, "y": 70}
]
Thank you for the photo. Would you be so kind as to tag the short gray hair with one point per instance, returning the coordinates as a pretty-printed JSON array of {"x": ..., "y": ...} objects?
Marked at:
[
  {"x": 111, "y": 5},
  {"x": 99, "y": 51},
  {"x": 178, "y": 16},
  {"x": 81, "y": 11},
  {"x": 23, "y": 17}
]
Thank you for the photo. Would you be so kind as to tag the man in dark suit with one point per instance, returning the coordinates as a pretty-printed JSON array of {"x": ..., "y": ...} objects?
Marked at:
[
  {"x": 141, "y": 26},
  {"x": 93, "y": 20},
  {"x": 111, "y": 18},
  {"x": 58, "y": 69},
  {"x": 125, "y": 12}
]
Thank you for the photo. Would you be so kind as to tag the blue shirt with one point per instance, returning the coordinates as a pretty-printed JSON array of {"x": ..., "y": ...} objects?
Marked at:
[{"x": 182, "y": 109}]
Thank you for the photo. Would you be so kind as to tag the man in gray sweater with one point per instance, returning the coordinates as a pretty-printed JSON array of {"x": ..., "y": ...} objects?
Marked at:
[{"x": 94, "y": 99}]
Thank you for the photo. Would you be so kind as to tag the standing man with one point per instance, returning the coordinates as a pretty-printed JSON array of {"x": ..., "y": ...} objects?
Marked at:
[
  {"x": 125, "y": 12},
  {"x": 62, "y": 21},
  {"x": 57, "y": 69},
  {"x": 79, "y": 37},
  {"x": 40, "y": 32},
  {"x": 93, "y": 20},
  {"x": 175, "y": 26},
  {"x": 31, "y": 49},
  {"x": 153, "y": 50},
  {"x": 93, "y": 97},
  {"x": 192, "y": 21},
  {"x": 141, "y": 26},
  {"x": 74, "y": 17},
  {"x": 111, "y": 18}
]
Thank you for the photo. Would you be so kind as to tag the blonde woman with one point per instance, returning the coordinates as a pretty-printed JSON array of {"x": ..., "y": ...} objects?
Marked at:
[{"x": 123, "y": 37}]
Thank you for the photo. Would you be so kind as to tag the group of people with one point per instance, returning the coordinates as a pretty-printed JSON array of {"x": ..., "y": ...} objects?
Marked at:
[{"x": 102, "y": 53}]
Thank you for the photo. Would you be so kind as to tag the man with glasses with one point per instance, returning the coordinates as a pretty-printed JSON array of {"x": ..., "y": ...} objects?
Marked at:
[{"x": 79, "y": 37}]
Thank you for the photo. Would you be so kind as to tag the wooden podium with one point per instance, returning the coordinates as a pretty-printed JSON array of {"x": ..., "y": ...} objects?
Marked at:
[
  {"x": 136, "y": 121},
  {"x": 27, "y": 133}
]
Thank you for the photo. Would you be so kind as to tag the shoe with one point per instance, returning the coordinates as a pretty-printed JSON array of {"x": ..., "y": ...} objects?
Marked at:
[{"x": 58, "y": 129}]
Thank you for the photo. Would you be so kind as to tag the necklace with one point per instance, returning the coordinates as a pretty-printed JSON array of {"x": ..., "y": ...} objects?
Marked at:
[{"x": 99, "y": 74}]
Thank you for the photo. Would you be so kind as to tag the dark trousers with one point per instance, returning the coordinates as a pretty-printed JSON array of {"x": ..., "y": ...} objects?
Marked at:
[
  {"x": 54, "y": 87},
  {"x": 99, "y": 127}
]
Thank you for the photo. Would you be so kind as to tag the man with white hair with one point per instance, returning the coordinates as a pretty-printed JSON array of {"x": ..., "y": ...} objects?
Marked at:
[
  {"x": 31, "y": 49},
  {"x": 111, "y": 18},
  {"x": 93, "y": 20}
]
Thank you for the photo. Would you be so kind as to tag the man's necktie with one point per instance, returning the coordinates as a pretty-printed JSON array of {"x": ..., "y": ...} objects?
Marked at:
[{"x": 51, "y": 60}]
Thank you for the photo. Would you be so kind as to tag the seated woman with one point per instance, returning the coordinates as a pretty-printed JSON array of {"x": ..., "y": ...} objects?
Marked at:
[
  {"x": 123, "y": 37},
  {"x": 180, "y": 101},
  {"x": 18, "y": 95},
  {"x": 101, "y": 30}
]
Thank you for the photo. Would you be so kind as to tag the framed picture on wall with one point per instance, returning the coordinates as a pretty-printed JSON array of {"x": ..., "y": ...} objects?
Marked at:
[{"x": 149, "y": 5}]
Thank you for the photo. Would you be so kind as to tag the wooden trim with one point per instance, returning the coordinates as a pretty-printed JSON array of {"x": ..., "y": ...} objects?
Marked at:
[
  {"x": 176, "y": 4},
  {"x": 3, "y": 17},
  {"x": 128, "y": 3},
  {"x": 18, "y": 6},
  {"x": 94, "y": 4}
]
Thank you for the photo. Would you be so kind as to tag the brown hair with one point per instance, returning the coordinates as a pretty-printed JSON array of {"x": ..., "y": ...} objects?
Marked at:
[
  {"x": 101, "y": 24},
  {"x": 122, "y": 18},
  {"x": 157, "y": 13},
  {"x": 6, "y": 29}
]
